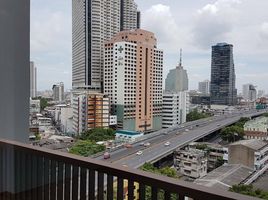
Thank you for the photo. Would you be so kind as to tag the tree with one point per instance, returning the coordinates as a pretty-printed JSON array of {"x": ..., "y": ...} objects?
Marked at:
[
  {"x": 232, "y": 133},
  {"x": 98, "y": 134},
  {"x": 249, "y": 190},
  {"x": 242, "y": 122},
  {"x": 43, "y": 102},
  {"x": 219, "y": 162},
  {"x": 195, "y": 115},
  {"x": 86, "y": 148}
]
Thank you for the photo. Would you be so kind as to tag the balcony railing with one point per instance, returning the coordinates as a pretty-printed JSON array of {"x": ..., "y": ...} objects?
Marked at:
[{"x": 32, "y": 173}]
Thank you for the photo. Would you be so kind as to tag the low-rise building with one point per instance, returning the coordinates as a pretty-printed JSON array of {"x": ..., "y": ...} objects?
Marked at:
[
  {"x": 191, "y": 162},
  {"x": 34, "y": 106},
  {"x": 214, "y": 152},
  {"x": 90, "y": 110},
  {"x": 256, "y": 129},
  {"x": 175, "y": 108},
  {"x": 225, "y": 176},
  {"x": 251, "y": 153},
  {"x": 127, "y": 136}
]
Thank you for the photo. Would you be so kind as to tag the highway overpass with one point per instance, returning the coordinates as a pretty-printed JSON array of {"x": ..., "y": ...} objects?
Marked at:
[{"x": 177, "y": 136}]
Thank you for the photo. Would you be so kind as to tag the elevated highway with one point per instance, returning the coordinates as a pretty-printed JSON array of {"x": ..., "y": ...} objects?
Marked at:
[{"x": 177, "y": 136}]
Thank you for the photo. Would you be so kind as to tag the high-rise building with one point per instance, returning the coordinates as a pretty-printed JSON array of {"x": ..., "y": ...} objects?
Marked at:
[
  {"x": 58, "y": 92},
  {"x": 249, "y": 92},
  {"x": 133, "y": 80},
  {"x": 33, "y": 80},
  {"x": 175, "y": 108},
  {"x": 204, "y": 87},
  {"x": 14, "y": 71},
  {"x": 222, "y": 86},
  {"x": 177, "y": 79},
  {"x": 90, "y": 110},
  {"x": 95, "y": 21},
  {"x": 261, "y": 93}
]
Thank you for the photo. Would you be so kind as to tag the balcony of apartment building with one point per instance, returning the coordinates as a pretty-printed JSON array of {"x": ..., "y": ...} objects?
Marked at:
[
  {"x": 34, "y": 173},
  {"x": 28, "y": 172}
]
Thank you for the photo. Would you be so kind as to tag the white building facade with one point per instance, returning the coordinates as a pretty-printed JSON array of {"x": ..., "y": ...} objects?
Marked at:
[
  {"x": 249, "y": 92},
  {"x": 33, "y": 80},
  {"x": 204, "y": 87},
  {"x": 133, "y": 80},
  {"x": 192, "y": 162},
  {"x": 94, "y": 22},
  {"x": 175, "y": 108},
  {"x": 58, "y": 92}
]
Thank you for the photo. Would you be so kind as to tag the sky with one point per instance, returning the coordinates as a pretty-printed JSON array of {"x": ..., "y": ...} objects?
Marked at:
[{"x": 191, "y": 25}]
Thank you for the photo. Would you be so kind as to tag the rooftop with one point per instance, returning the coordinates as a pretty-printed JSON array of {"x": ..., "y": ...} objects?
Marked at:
[
  {"x": 252, "y": 144},
  {"x": 125, "y": 132},
  {"x": 225, "y": 176}
]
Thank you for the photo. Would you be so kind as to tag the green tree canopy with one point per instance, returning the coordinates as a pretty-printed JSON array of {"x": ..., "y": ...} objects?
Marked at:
[
  {"x": 98, "y": 134},
  {"x": 232, "y": 133},
  {"x": 195, "y": 115},
  {"x": 86, "y": 148},
  {"x": 249, "y": 190}
]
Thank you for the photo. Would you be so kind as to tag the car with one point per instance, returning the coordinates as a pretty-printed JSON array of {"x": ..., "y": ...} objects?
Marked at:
[
  {"x": 147, "y": 144},
  {"x": 139, "y": 153},
  {"x": 218, "y": 124},
  {"x": 167, "y": 143},
  {"x": 165, "y": 133},
  {"x": 106, "y": 155},
  {"x": 141, "y": 144},
  {"x": 186, "y": 130},
  {"x": 128, "y": 145}
]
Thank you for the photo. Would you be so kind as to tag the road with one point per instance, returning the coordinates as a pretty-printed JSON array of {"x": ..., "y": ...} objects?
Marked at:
[{"x": 177, "y": 137}]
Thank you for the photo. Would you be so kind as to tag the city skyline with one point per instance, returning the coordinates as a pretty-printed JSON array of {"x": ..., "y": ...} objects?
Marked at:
[{"x": 51, "y": 37}]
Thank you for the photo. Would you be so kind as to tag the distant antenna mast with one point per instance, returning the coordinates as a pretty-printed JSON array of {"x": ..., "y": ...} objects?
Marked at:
[{"x": 180, "y": 58}]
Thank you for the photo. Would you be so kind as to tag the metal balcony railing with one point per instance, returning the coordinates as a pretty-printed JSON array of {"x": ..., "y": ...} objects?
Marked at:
[{"x": 33, "y": 173}]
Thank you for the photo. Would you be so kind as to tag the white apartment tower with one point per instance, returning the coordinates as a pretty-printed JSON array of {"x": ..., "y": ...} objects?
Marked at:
[
  {"x": 249, "y": 92},
  {"x": 58, "y": 92},
  {"x": 204, "y": 87},
  {"x": 95, "y": 21},
  {"x": 133, "y": 80},
  {"x": 33, "y": 80},
  {"x": 175, "y": 108}
]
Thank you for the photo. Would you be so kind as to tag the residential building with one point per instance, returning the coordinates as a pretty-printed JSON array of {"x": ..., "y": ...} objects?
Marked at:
[
  {"x": 177, "y": 79},
  {"x": 133, "y": 80},
  {"x": 113, "y": 120},
  {"x": 58, "y": 92},
  {"x": 127, "y": 136},
  {"x": 94, "y": 22},
  {"x": 191, "y": 162},
  {"x": 175, "y": 108},
  {"x": 15, "y": 70},
  {"x": 35, "y": 106},
  {"x": 222, "y": 86},
  {"x": 256, "y": 129},
  {"x": 204, "y": 87},
  {"x": 90, "y": 110},
  {"x": 249, "y": 92},
  {"x": 63, "y": 117},
  {"x": 33, "y": 80},
  {"x": 214, "y": 153},
  {"x": 251, "y": 153},
  {"x": 261, "y": 93}
]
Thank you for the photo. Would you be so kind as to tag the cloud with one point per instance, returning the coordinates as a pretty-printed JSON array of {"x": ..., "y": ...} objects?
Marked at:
[
  {"x": 48, "y": 32},
  {"x": 160, "y": 20},
  {"x": 264, "y": 31},
  {"x": 214, "y": 22}
]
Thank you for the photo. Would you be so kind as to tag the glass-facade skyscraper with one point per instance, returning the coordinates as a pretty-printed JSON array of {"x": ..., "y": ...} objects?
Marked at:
[{"x": 222, "y": 87}]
